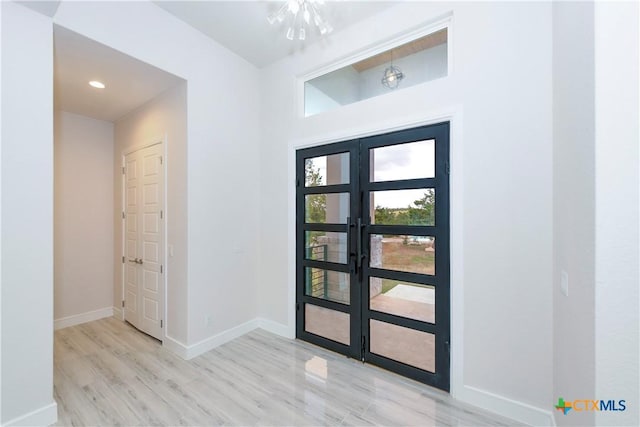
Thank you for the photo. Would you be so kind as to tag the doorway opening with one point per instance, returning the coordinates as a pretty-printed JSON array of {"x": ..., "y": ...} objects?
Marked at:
[
  {"x": 372, "y": 257},
  {"x": 134, "y": 106}
]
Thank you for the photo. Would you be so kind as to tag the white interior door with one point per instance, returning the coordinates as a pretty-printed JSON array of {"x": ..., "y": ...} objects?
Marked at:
[{"x": 144, "y": 240}]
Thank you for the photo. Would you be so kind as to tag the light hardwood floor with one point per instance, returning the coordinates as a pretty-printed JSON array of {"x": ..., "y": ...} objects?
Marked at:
[{"x": 107, "y": 373}]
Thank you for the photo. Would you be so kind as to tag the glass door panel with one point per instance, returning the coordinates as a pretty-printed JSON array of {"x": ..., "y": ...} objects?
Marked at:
[
  {"x": 405, "y": 345},
  {"x": 331, "y": 324},
  {"x": 403, "y": 207},
  {"x": 327, "y": 170},
  {"x": 326, "y": 208},
  {"x": 327, "y": 284},
  {"x": 403, "y": 298},
  {"x": 403, "y": 161},
  {"x": 401, "y": 252},
  {"x": 326, "y": 246}
]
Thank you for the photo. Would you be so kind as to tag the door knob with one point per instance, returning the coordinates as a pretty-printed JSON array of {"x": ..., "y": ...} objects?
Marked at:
[
  {"x": 139, "y": 261},
  {"x": 134, "y": 260}
]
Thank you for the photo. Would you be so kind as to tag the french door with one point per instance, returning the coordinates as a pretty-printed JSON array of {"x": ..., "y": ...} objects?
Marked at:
[{"x": 372, "y": 253}]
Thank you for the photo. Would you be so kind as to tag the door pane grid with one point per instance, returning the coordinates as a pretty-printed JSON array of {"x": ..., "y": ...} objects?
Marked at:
[
  {"x": 404, "y": 276},
  {"x": 402, "y": 321}
]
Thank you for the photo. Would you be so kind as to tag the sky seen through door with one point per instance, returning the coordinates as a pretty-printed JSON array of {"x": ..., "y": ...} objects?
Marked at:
[{"x": 394, "y": 162}]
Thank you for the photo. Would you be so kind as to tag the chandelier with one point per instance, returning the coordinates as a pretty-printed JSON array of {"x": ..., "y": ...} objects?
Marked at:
[{"x": 300, "y": 14}]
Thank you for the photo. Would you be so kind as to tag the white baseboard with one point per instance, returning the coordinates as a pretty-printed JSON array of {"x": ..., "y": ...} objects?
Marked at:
[
  {"x": 518, "y": 411},
  {"x": 175, "y": 346},
  {"x": 190, "y": 351},
  {"x": 118, "y": 313},
  {"x": 44, "y": 416},
  {"x": 223, "y": 337},
  {"x": 78, "y": 319},
  {"x": 276, "y": 328}
]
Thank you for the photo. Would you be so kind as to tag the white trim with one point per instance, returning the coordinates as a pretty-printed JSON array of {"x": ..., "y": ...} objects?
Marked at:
[
  {"x": 118, "y": 313},
  {"x": 78, "y": 319},
  {"x": 451, "y": 26},
  {"x": 165, "y": 235},
  {"x": 44, "y": 416},
  {"x": 276, "y": 328},
  {"x": 221, "y": 338},
  {"x": 188, "y": 352},
  {"x": 506, "y": 407},
  {"x": 152, "y": 141},
  {"x": 406, "y": 122},
  {"x": 456, "y": 250},
  {"x": 175, "y": 346}
]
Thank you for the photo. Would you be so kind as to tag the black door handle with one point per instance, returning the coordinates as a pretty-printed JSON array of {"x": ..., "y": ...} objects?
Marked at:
[{"x": 359, "y": 244}]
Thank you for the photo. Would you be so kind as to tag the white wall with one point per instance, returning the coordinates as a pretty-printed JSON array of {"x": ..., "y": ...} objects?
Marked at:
[
  {"x": 574, "y": 206},
  {"x": 617, "y": 137},
  {"x": 27, "y": 217},
  {"x": 1, "y": 224},
  {"x": 163, "y": 117},
  {"x": 500, "y": 93},
  {"x": 222, "y": 155},
  {"x": 596, "y": 134},
  {"x": 83, "y": 216}
]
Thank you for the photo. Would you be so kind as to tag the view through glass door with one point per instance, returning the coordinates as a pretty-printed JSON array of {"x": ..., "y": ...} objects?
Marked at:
[{"x": 373, "y": 250}]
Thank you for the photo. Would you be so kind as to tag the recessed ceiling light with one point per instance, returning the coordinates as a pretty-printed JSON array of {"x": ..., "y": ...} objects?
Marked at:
[{"x": 96, "y": 84}]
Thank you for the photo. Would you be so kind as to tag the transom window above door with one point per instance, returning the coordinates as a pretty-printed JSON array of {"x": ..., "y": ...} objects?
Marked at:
[{"x": 411, "y": 61}]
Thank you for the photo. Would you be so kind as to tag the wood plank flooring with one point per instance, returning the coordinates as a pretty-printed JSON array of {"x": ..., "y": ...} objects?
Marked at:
[{"x": 106, "y": 373}]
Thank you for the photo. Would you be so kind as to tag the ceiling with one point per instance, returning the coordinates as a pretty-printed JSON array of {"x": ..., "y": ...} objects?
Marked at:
[
  {"x": 129, "y": 82},
  {"x": 48, "y": 7},
  {"x": 242, "y": 26}
]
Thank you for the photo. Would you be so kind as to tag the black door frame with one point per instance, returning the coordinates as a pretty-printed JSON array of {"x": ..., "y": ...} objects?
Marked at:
[{"x": 359, "y": 228}]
